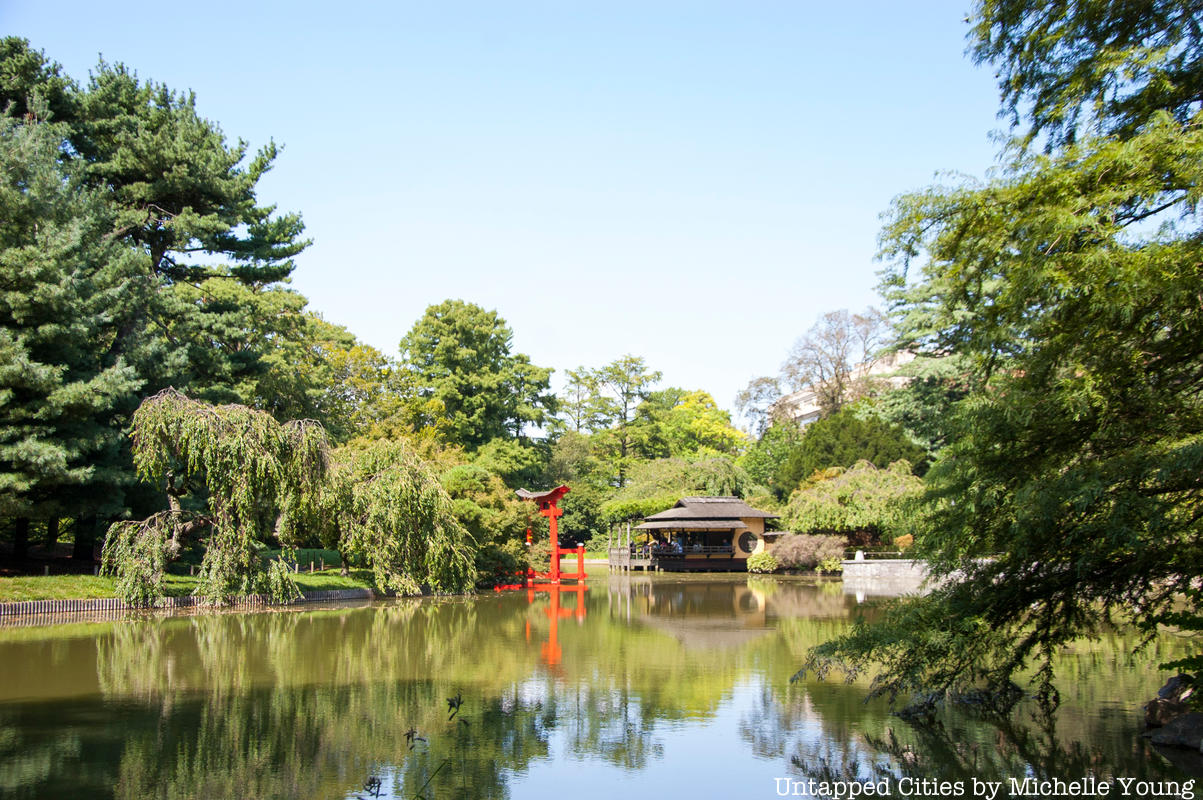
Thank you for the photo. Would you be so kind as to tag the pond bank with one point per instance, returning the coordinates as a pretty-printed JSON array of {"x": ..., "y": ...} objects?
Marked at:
[{"x": 107, "y": 605}]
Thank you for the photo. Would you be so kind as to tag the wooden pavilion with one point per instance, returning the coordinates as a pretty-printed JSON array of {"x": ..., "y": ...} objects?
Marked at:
[{"x": 714, "y": 534}]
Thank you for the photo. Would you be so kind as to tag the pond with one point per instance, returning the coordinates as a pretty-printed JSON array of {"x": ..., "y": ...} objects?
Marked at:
[{"x": 656, "y": 687}]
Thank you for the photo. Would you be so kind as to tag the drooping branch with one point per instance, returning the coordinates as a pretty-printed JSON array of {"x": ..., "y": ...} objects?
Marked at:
[{"x": 256, "y": 473}]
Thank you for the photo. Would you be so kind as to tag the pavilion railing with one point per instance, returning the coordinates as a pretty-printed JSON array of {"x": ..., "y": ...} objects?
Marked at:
[{"x": 700, "y": 550}]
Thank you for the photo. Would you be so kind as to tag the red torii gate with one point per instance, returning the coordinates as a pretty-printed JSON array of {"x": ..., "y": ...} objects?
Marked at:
[{"x": 546, "y": 501}]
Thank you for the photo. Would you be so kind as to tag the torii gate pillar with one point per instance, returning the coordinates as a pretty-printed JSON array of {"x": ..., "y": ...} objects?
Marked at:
[{"x": 546, "y": 501}]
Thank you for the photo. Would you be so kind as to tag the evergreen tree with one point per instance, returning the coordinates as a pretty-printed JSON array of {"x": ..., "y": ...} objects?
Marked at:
[
  {"x": 66, "y": 292},
  {"x": 136, "y": 257},
  {"x": 184, "y": 200},
  {"x": 841, "y": 440}
]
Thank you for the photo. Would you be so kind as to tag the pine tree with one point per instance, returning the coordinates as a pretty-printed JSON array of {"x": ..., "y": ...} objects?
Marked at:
[{"x": 66, "y": 290}]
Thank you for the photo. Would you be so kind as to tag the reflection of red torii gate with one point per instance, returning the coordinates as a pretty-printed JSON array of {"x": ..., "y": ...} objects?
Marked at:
[
  {"x": 546, "y": 501},
  {"x": 550, "y": 650}
]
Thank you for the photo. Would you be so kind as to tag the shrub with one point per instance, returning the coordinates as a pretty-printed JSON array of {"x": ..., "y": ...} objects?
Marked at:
[
  {"x": 807, "y": 551},
  {"x": 831, "y": 566},
  {"x": 500, "y": 563},
  {"x": 763, "y": 562}
]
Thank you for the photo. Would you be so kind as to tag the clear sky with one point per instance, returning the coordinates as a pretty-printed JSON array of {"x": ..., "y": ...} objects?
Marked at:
[{"x": 693, "y": 182}]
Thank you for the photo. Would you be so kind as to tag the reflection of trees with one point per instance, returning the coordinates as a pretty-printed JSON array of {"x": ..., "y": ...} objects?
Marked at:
[
  {"x": 310, "y": 703},
  {"x": 287, "y": 704},
  {"x": 828, "y": 732},
  {"x": 321, "y": 741},
  {"x": 613, "y": 725},
  {"x": 799, "y": 602},
  {"x": 31, "y": 760}
]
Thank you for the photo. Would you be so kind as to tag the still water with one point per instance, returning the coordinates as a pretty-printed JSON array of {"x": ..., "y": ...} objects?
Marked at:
[{"x": 637, "y": 687}]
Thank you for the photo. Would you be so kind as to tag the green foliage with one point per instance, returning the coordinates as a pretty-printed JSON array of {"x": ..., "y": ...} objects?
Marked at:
[
  {"x": 841, "y": 440},
  {"x": 65, "y": 293},
  {"x": 860, "y": 498},
  {"x": 135, "y": 256},
  {"x": 252, "y": 470},
  {"x": 29, "y": 84},
  {"x": 138, "y": 554},
  {"x": 761, "y": 563},
  {"x": 657, "y": 485},
  {"x": 393, "y": 513},
  {"x": 622, "y": 385},
  {"x": 492, "y": 515},
  {"x": 501, "y": 563},
  {"x": 628, "y": 509},
  {"x": 459, "y": 357},
  {"x": 805, "y": 551},
  {"x": 518, "y": 462},
  {"x": 1077, "y": 69},
  {"x": 766, "y": 457},
  {"x": 319, "y": 371},
  {"x": 185, "y": 200},
  {"x": 831, "y": 565},
  {"x": 1069, "y": 495},
  {"x": 674, "y": 422},
  {"x": 571, "y": 461},
  {"x": 923, "y": 407},
  {"x": 581, "y": 404}
]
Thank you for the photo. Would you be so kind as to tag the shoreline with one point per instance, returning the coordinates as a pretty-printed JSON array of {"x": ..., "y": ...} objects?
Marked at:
[{"x": 23, "y": 610}]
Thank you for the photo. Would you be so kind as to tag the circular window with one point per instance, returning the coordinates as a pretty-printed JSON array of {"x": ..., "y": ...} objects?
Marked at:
[{"x": 747, "y": 541}]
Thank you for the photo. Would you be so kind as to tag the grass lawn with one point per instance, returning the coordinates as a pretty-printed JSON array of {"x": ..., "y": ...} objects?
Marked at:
[{"x": 79, "y": 587}]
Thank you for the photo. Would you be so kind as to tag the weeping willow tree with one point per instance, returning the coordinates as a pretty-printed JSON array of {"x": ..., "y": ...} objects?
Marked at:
[
  {"x": 382, "y": 505},
  {"x": 232, "y": 475}
]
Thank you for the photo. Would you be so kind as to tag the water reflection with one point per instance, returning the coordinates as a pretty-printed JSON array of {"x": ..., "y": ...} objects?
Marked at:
[{"x": 644, "y": 686}]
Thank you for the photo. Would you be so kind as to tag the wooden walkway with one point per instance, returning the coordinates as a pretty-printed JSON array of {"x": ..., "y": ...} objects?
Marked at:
[{"x": 621, "y": 558}]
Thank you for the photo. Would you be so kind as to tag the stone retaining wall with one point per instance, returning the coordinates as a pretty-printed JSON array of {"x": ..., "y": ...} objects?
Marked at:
[
  {"x": 112, "y": 605},
  {"x": 885, "y": 576}
]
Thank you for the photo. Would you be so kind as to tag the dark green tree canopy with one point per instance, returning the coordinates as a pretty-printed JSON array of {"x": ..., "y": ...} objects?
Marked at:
[
  {"x": 843, "y": 439},
  {"x": 460, "y": 357},
  {"x": 136, "y": 255},
  {"x": 765, "y": 458},
  {"x": 184, "y": 200},
  {"x": 66, "y": 291}
]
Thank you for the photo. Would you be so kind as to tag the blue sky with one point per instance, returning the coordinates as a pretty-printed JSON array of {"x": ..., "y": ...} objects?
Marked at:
[{"x": 693, "y": 182}]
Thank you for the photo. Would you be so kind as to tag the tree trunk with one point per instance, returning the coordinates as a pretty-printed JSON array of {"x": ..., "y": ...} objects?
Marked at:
[
  {"x": 85, "y": 539},
  {"x": 51, "y": 535},
  {"x": 21, "y": 538}
]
